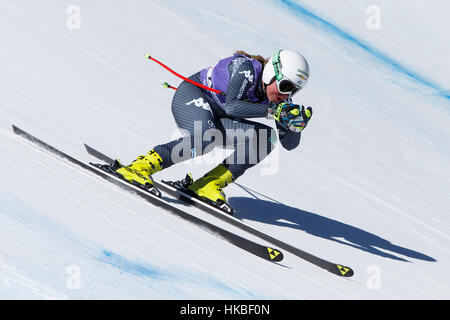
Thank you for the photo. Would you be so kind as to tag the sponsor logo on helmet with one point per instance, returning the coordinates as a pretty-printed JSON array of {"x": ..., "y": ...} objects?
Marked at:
[{"x": 302, "y": 74}]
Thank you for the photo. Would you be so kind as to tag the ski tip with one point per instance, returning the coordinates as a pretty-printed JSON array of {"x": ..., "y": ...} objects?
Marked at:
[
  {"x": 274, "y": 255},
  {"x": 342, "y": 271}
]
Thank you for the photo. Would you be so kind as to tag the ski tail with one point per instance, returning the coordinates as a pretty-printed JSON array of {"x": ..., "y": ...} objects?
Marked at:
[{"x": 97, "y": 154}]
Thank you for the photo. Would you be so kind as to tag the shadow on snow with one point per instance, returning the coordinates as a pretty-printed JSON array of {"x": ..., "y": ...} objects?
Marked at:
[{"x": 270, "y": 212}]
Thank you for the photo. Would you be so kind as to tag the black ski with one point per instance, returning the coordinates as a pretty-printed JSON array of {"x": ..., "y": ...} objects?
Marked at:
[
  {"x": 265, "y": 252},
  {"x": 169, "y": 188}
]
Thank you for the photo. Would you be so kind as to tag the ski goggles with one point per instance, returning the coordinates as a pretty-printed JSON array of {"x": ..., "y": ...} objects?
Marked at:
[{"x": 284, "y": 85}]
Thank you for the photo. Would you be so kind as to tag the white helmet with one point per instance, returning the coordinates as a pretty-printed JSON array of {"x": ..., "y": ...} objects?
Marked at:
[{"x": 289, "y": 68}]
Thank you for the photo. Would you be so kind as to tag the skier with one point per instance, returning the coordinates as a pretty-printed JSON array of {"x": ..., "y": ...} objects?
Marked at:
[{"x": 254, "y": 88}]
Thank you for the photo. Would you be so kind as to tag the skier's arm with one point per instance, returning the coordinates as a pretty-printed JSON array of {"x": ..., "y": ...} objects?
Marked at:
[
  {"x": 288, "y": 139},
  {"x": 242, "y": 77}
]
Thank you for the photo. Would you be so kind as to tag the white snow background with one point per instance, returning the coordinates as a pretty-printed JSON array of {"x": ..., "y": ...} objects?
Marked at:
[{"x": 368, "y": 187}]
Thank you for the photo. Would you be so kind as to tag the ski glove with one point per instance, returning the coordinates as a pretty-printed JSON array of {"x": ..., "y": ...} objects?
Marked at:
[{"x": 290, "y": 116}]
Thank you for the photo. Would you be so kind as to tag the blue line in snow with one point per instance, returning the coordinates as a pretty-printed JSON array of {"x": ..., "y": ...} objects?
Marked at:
[
  {"x": 127, "y": 266},
  {"x": 201, "y": 280},
  {"x": 319, "y": 22}
]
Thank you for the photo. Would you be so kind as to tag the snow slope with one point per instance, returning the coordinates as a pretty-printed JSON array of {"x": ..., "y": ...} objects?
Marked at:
[
  {"x": 368, "y": 187},
  {"x": 411, "y": 33}
]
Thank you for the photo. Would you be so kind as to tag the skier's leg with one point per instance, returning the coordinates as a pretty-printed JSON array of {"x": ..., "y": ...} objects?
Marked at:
[
  {"x": 192, "y": 112},
  {"x": 252, "y": 142}
]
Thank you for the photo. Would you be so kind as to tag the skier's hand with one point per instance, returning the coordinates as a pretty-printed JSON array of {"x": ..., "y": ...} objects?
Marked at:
[
  {"x": 290, "y": 116},
  {"x": 301, "y": 120}
]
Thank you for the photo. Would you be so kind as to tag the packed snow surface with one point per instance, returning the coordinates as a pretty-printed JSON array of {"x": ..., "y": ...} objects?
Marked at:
[{"x": 368, "y": 187}]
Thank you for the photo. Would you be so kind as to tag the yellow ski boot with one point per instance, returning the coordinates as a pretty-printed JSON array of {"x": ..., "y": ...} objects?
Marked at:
[
  {"x": 209, "y": 187},
  {"x": 140, "y": 170}
]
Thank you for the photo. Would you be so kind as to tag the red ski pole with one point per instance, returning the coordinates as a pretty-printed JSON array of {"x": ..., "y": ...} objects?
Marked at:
[{"x": 147, "y": 56}]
